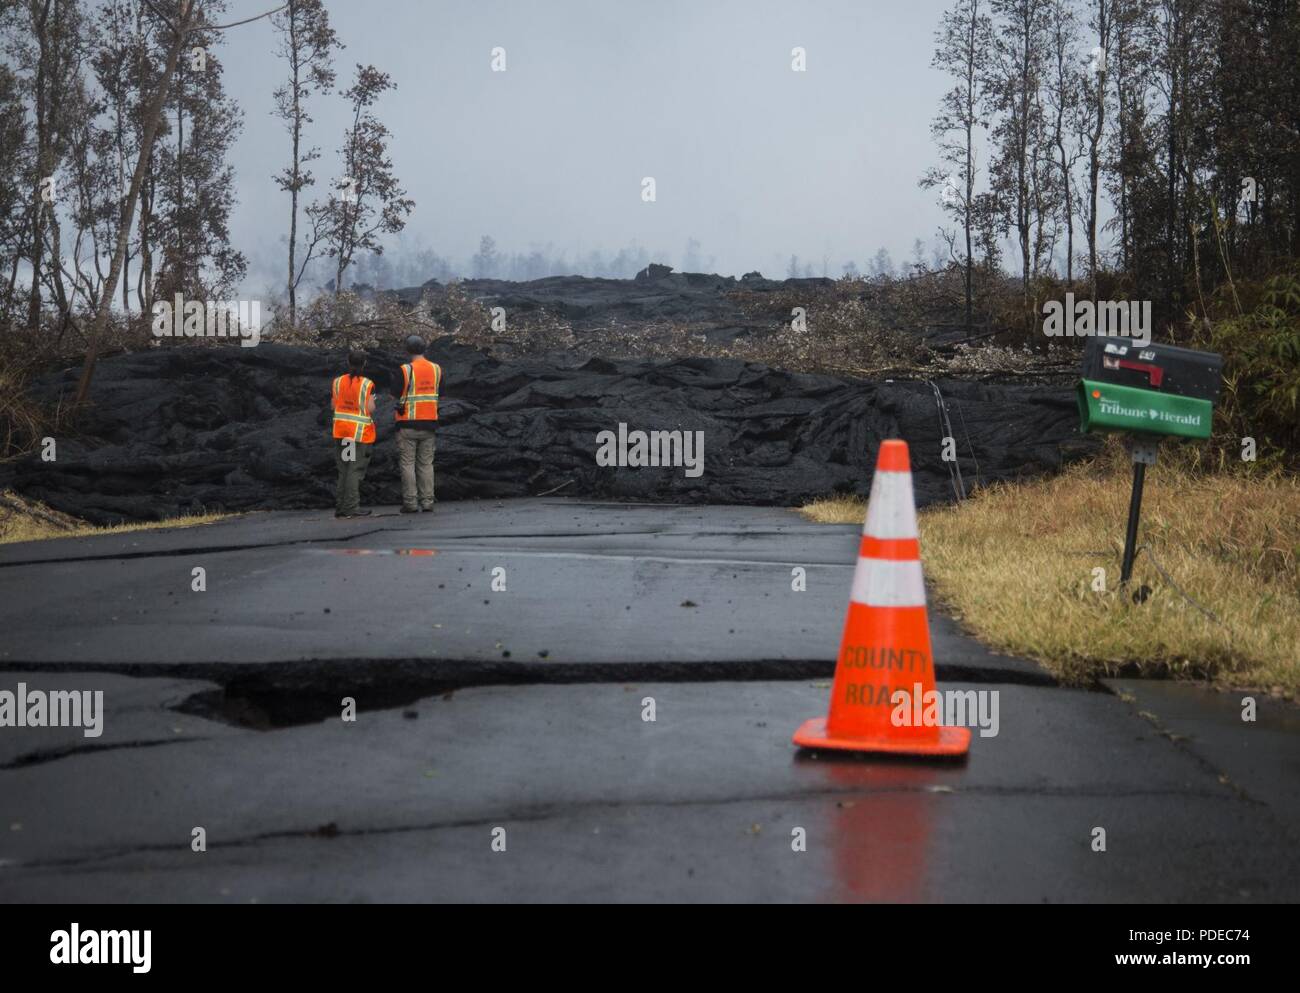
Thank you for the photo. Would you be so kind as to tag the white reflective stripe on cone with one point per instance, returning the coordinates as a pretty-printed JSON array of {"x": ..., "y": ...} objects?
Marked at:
[
  {"x": 880, "y": 583},
  {"x": 891, "y": 509}
]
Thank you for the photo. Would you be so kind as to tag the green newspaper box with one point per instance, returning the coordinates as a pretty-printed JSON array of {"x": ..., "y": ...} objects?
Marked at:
[{"x": 1148, "y": 389}]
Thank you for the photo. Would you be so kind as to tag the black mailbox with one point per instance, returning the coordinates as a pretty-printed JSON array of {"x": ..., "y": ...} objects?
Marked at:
[{"x": 1148, "y": 389}]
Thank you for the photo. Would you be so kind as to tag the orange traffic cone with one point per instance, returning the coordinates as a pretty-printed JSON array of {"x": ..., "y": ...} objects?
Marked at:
[{"x": 883, "y": 698}]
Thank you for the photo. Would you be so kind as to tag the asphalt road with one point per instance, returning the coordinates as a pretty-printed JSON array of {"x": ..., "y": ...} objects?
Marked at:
[{"x": 515, "y": 718}]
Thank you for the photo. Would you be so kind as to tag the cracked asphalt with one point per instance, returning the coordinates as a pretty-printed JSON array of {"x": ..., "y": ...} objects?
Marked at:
[{"x": 514, "y": 715}]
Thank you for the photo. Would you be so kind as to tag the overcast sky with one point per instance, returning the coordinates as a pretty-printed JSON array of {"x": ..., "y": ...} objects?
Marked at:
[{"x": 752, "y": 159}]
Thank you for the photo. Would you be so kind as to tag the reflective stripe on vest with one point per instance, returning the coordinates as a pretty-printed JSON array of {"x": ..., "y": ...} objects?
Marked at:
[
  {"x": 350, "y": 417},
  {"x": 420, "y": 382}
]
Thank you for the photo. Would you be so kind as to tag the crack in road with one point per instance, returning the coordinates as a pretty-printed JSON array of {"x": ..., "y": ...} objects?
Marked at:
[
  {"x": 390, "y": 529},
  {"x": 43, "y": 756},
  {"x": 638, "y": 556},
  {"x": 200, "y": 550},
  {"x": 540, "y": 813},
  {"x": 1180, "y": 742},
  {"x": 272, "y": 695}
]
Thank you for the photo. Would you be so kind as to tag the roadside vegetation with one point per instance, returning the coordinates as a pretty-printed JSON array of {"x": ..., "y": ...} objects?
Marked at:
[
  {"x": 1018, "y": 565},
  {"x": 22, "y": 519}
]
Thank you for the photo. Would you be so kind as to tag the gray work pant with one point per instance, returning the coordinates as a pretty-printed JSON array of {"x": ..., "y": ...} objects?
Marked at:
[
  {"x": 351, "y": 475},
  {"x": 415, "y": 456}
]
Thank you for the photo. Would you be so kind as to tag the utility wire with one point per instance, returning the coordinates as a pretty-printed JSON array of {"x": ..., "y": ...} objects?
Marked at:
[
  {"x": 969, "y": 447},
  {"x": 1177, "y": 589},
  {"x": 945, "y": 425}
]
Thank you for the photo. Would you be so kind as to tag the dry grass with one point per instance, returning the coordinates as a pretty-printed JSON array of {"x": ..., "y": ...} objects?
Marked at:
[
  {"x": 1015, "y": 566},
  {"x": 836, "y": 510},
  {"x": 22, "y": 423},
  {"x": 28, "y": 520}
]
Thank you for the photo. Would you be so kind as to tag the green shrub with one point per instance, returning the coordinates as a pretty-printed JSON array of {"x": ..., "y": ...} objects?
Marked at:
[{"x": 1261, "y": 369}]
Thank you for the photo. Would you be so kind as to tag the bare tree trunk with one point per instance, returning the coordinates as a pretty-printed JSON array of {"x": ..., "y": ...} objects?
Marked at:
[
  {"x": 1171, "y": 204},
  {"x": 970, "y": 161},
  {"x": 297, "y": 169},
  {"x": 1022, "y": 221},
  {"x": 1037, "y": 178},
  {"x": 1068, "y": 202},
  {"x": 145, "y": 289},
  {"x": 1122, "y": 123},
  {"x": 152, "y": 117},
  {"x": 12, "y": 286},
  {"x": 1022, "y": 193},
  {"x": 179, "y": 274},
  {"x": 349, "y": 211},
  {"x": 1094, "y": 143},
  {"x": 119, "y": 127},
  {"x": 56, "y": 268},
  {"x": 1094, "y": 171},
  {"x": 40, "y": 26},
  {"x": 1173, "y": 44},
  {"x": 342, "y": 263}
]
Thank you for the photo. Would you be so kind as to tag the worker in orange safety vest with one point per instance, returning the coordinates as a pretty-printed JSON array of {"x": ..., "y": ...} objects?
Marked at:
[
  {"x": 417, "y": 417},
  {"x": 353, "y": 398}
]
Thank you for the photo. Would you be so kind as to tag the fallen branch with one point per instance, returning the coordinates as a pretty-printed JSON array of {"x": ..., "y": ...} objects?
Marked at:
[
  {"x": 557, "y": 489},
  {"x": 376, "y": 324}
]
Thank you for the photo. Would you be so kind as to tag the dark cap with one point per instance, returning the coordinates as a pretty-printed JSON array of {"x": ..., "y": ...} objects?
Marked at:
[{"x": 415, "y": 345}]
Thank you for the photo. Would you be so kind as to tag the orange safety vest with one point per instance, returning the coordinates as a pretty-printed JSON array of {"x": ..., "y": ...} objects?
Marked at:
[
  {"x": 419, "y": 399},
  {"x": 351, "y": 398}
]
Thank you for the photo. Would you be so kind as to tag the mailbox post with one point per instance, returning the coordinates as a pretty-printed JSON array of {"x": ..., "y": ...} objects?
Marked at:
[{"x": 1148, "y": 392}]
